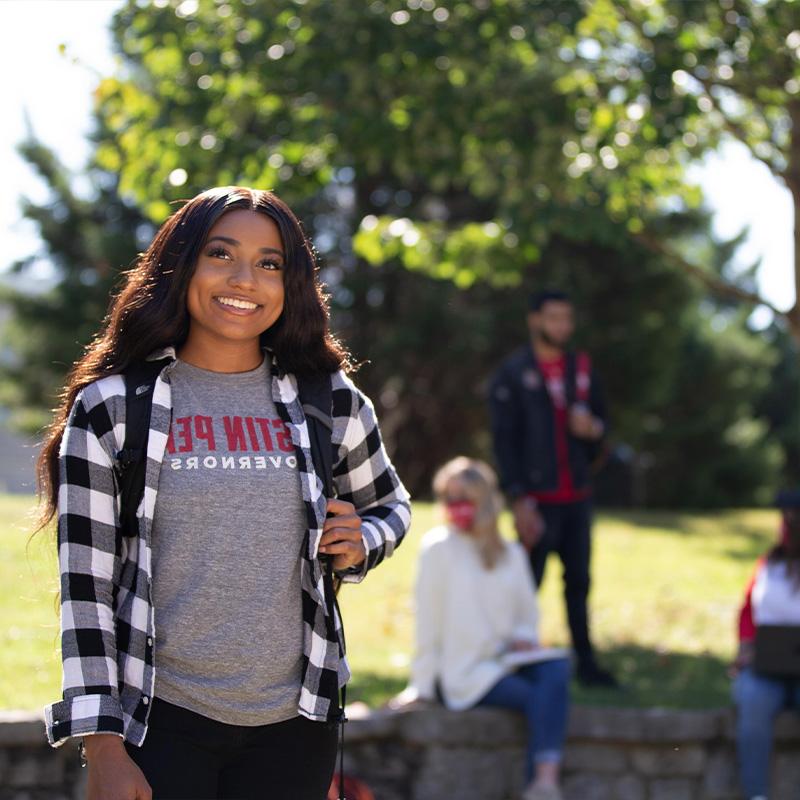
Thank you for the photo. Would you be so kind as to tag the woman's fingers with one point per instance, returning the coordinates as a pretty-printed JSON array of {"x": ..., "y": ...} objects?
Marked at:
[
  {"x": 345, "y": 545},
  {"x": 336, "y": 506},
  {"x": 341, "y": 535},
  {"x": 352, "y": 521}
]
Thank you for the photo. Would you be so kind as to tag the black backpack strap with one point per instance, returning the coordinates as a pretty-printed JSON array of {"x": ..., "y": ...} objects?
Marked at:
[
  {"x": 316, "y": 397},
  {"x": 140, "y": 379}
]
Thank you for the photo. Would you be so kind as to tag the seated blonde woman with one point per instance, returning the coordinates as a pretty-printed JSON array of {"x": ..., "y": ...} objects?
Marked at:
[{"x": 477, "y": 620}]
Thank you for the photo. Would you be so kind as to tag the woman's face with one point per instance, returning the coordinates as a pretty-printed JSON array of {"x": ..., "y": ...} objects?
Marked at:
[
  {"x": 236, "y": 291},
  {"x": 459, "y": 505}
]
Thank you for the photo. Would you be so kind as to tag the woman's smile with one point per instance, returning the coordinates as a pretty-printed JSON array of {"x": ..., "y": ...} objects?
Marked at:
[
  {"x": 237, "y": 305},
  {"x": 236, "y": 291}
]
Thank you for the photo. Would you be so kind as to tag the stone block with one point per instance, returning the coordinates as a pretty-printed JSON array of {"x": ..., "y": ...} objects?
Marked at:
[
  {"x": 669, "y": 761},
  {"x": 637, "y": 725},
  {"x": 80, "y": 785},
  {"x": 673, "y": 789},
  {"x": 32, "y": 768},
  {"x": 359, "y": 759},
  {"x": 373, "y": 725},
  {"x": 721, "y": 780},
  {"x": 588, "y": 786},
  {"x": 630, "y": 787},
  {"x": 785, "y": 776},
  {"x": 479, "y": 727},
  {"x": 471, "y": 774},
  {"x": 787, "y": 729},
  {"x": 728, "y": 724},
  {"x": 603, "y": 758},
  {"x": 21, "y": 729},
  {"x": 595, "y": 722},
  {"x": 668, "y": 725}
]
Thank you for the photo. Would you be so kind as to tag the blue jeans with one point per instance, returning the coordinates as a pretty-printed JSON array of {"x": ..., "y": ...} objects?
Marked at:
[
  {"x": 758, "y": 700},
  {"x": 540, "y": 691}
]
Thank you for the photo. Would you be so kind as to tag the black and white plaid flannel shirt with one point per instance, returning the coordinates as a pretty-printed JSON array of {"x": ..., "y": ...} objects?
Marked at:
[{"x": 107, "y": 630}]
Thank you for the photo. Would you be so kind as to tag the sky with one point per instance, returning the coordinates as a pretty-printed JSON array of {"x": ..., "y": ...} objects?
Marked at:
[{"x": 54, "y": 93}]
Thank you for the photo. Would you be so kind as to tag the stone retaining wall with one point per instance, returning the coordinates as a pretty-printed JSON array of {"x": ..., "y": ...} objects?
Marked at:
[
  {"x": 612, "y": 754},
  {"x": 434, "y": 754}
]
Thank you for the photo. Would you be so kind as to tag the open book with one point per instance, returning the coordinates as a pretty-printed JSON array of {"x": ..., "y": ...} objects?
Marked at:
[{"x": 515, "y": 658}]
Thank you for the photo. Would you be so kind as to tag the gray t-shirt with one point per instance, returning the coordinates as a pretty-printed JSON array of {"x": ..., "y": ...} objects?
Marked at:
[{"x": 227, "y": 534}]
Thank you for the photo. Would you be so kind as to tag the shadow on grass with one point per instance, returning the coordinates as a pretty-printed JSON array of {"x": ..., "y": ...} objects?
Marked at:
[
  {"x": 748, "y": 540},
  {"x": 649, "y": 678}
]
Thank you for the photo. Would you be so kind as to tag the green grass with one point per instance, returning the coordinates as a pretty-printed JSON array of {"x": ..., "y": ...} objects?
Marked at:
[
  {"x": 29, "y": 636},
  {"x": 666, "y": 592}
]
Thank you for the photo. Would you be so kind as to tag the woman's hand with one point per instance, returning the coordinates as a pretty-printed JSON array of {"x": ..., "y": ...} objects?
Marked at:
[
  {"x": 341, "y": 536},
  {"x": 522, "y": 645},
  {"x": 113, "y": 775},
  {"x": 408, "y": 698},
  {"x": 744, "y": 658}
]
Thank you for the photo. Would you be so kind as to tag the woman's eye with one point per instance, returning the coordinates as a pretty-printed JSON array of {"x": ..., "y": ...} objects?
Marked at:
[{"x": 222, "y": 253}]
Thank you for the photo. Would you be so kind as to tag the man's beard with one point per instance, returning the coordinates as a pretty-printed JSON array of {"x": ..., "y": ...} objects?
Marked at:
[{"x": 550, "y": 341}]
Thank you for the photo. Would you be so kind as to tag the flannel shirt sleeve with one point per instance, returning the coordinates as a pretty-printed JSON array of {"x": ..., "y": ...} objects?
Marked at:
[
  {"x": 89, "y": 566},
  {"x": 364, "y": 476}
]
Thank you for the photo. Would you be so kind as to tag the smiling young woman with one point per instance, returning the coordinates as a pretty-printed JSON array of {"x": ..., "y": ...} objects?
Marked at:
[
  {"x": 236, "y": 292},
  {"x": 200, "y": 659}
]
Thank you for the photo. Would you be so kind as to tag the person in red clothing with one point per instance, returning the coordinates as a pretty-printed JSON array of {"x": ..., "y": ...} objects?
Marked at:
[
  {"x": 772, "y": 598},
  {"x": 548, "y": 421}
]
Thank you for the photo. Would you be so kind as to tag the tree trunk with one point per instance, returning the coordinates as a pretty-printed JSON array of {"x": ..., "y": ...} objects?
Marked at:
[{"x": 792, "y": 178}]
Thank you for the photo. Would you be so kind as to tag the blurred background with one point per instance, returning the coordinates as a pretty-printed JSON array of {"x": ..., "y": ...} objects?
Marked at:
[{"x": 447, "y": 157}]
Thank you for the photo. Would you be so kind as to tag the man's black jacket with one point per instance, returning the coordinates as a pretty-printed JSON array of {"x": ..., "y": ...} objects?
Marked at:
[{"x": 523, "y": 426}]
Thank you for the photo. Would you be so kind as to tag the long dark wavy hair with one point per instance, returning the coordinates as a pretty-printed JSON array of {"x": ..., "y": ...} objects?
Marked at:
[
  {"x": 788, "y": 551},
  {"x": 150, "y": 313}
]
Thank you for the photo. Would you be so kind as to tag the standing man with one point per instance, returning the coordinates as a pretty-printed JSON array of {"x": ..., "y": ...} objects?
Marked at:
[{"x": 548, "y": 419}]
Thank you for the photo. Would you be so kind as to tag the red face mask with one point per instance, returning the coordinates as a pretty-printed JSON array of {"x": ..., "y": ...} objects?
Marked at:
[{"x": 461, "y": 514}]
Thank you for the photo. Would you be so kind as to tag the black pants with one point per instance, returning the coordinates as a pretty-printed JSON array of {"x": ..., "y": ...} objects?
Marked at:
[
  {"x": 568, "y": 529},
  {"x": 186, "y": 756}
]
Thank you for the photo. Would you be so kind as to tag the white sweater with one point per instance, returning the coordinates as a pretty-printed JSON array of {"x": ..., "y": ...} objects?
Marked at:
[
  {"x": 467, "y": 615},
  {"x": 776, "y": 598}
]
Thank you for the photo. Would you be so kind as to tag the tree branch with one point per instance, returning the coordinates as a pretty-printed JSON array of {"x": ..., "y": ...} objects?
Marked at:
[
  {"x": 716, "y": 284},
  {"x": 733, "y": 127}
]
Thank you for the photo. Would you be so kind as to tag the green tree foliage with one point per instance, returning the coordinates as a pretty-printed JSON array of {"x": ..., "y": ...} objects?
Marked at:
[
  {"x": 85, "y": 242},
  {"x": 448, "y": 159},
  {"x": 457, "y": 126},
  {"x": 680, "y": 76}
]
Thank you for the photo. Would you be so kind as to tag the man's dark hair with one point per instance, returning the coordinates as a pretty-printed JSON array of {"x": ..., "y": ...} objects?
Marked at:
[{"x": 538, "y": 299}]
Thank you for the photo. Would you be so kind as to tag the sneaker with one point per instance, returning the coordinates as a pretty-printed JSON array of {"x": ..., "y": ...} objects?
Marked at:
[{"x": 593, "y": 676}]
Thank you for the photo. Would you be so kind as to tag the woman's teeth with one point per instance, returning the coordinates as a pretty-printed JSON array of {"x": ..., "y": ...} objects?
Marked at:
[{"x": 230, "y": 301}]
